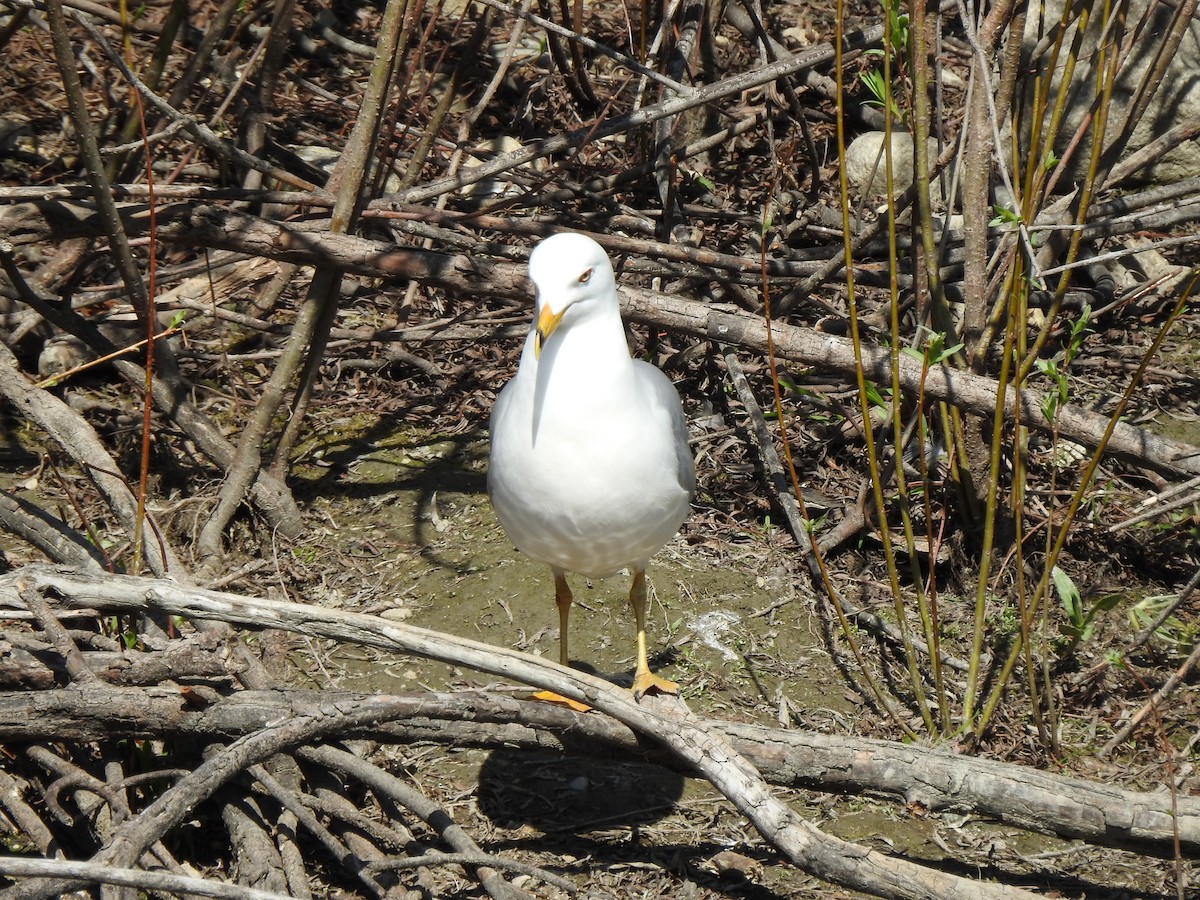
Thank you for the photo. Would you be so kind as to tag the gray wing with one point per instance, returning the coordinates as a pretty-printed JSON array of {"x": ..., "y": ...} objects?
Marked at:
[{"x": 663, "y": 394}]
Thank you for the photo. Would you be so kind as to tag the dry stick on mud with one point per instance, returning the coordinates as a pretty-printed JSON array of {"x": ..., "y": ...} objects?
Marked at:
[
  {"x": 435, "y": 817},
  {"x": 101, "y": 193},
  {"x": 1067, "y": 807},
  {"x": 1154, "y": 703},
  {"x": 215, "y": 227},
  {"x": 110, "y": 805},
  {"x": 186, "y": 795},
  {"x": 349, "y": 183},
  {"x": 119, "y": 246},
  {"x": 26, "y": 819},
  {"x": 134, "y": 836},
  {"x": 733, "y": 85},
  {"x": 782, "y": 491},
  {"x": 63, "y": 645},
  {"x": 89, "y": 148},
  {"x": 355, "y": 862},
  {"x": 293, "y": 802},
  {"x": 620, "y": 58},
  {"x": 669, "y": 722}
]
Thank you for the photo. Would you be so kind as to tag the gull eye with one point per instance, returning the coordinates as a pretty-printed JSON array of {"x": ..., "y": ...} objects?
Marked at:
[{"x": 586, "y": 276}]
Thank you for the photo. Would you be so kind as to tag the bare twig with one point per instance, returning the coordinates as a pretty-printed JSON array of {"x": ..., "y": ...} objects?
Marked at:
[
  {"x": 202, "y": 133},
  {"x": 1154, "y": 703},
  {"x": 99, "y": 873},
  {"x": 726, "y": 87},
  {"x": 25, "y": 818},
  {"x": 476, "y": 860},
  {"x": 293, "y": 804},
  {"x": 310, "y": 331},
  {"x": 58, "y": 636},
  {"x": 339, "y": 760},
  {"x": 172, "y": 396},
  {"x": 584, "y": 41}
]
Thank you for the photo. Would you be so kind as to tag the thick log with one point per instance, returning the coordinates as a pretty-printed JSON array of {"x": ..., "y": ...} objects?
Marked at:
[{"x": 1071, "y": 808}]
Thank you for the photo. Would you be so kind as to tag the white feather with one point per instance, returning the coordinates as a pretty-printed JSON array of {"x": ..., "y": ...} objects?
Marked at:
[{"x": 590, "y": 469}]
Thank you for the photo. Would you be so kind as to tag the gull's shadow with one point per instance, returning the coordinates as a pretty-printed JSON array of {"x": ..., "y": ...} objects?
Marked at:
[
  {"x": 571, "y": 794},
  {"x": 556, "y": 793}
]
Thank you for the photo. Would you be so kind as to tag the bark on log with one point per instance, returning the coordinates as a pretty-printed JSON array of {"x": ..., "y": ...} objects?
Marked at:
[{"x": 204, "y": 655}]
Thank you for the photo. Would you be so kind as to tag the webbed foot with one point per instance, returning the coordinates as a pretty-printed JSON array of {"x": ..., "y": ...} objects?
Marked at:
[{"x": 649, "y": 683}]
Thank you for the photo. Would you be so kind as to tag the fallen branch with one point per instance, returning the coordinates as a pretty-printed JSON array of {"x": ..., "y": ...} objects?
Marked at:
[
  {"x": 74, "y": 434},
  {"x": 171, "y": 396},
  {"x": 214, "y": 227},
  {"x": 667, "y": 721},
  {"x": 52, "y": 536},
  {"x": 98, "y": 873}
]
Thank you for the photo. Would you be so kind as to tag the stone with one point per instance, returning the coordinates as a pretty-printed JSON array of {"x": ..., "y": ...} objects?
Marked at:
[{"x": 865, "y": 164}]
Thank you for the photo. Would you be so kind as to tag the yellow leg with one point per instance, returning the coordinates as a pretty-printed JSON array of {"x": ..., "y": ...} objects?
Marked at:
[
  {"x": 644, "y": 681},
  {"x": 563, "y": 600}
]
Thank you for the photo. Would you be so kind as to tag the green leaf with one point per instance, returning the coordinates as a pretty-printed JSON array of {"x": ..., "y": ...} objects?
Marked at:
[
  {"x": 788, "y": 382},
  {"x": 1068, "y": 596},
  {"x": 873, "y": 395},
  {"x": 1049, "y": 407},
  {"x": 1004, "y": 216},
  {"x": 1078, "y": 330}
]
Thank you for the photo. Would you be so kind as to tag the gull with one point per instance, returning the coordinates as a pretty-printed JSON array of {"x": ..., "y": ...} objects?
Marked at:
[{"x": 590, "y": 470}]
